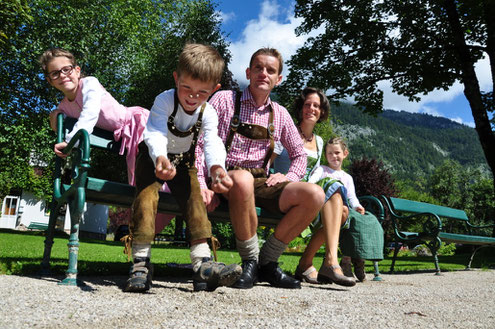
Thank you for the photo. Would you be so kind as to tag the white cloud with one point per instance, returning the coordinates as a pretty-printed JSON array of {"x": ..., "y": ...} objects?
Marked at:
[
  {"x": 429, "y": 102},
  {"x": 226, "y": 17},
  {"x": 273, "y": 28}
]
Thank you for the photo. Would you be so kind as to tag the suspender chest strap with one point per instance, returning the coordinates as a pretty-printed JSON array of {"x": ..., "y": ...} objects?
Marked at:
[
  {"x": 251, "y": 131},
  {"x": 188, "y": 157}
]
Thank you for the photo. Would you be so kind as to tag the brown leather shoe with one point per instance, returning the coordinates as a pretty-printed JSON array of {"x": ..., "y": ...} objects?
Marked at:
[
  {"x": 346, "y": 268},
  {"x": 328, "y": 275},
  {"x": 359, "y": 269}
]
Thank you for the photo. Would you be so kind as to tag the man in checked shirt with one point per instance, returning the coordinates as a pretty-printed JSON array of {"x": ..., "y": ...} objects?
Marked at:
[{"x": 249, "y": 124}]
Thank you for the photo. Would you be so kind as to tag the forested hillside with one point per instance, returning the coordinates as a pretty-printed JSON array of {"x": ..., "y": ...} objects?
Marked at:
[{"x": 409, "y": 144}]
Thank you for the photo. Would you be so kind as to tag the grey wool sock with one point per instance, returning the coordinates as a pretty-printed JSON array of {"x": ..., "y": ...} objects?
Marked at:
[
  {"x": 248, "y": 249},
  {"x": 271, "y": 250}
]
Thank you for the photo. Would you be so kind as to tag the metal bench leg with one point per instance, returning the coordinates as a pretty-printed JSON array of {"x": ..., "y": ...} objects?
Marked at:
[
  {"x": 377, "y": 272},
  {"x": 434, "y": 245},
  {"x": 468, "y": 267},
  {"x": 75, "y": 217},
  {"x": 396, "y": 251},
  {"x": 54, "y": 212}
]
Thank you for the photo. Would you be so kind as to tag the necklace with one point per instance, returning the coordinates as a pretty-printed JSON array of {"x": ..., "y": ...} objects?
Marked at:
[{"x": 310, "y": 139}]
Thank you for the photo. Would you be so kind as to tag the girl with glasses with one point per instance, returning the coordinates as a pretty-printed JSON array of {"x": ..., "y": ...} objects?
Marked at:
[{"x": 88, "y": 101}]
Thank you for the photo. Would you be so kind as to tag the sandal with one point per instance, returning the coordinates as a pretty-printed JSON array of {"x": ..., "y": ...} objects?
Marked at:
[{"x": 306, "y": 275}]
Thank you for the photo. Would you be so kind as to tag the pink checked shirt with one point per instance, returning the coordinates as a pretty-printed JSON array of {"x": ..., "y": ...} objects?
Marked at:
[{"x": 248, "y": 153}]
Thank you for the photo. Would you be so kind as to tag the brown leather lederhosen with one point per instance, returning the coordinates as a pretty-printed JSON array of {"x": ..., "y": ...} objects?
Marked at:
[
  {"x": 251, "y": 131},
  {"x": 184, "y": 187}
]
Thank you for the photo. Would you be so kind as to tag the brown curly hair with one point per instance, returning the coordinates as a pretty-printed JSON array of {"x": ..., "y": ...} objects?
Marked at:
[{"x": 299, "y": 102}]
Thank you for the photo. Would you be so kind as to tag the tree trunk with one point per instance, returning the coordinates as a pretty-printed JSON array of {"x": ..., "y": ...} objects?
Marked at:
[
  {"x": 471, "y": 86},
  {"x": 489, "y": 14}
]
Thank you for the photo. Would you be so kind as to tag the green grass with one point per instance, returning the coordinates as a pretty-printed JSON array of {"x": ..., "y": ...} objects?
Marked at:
[{"x": 21, "y": 254}]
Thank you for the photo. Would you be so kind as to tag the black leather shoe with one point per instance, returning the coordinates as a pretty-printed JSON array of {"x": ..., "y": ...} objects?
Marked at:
[
  {"x": 249, "y": 275},
  {"x": 274, "y": 275}
]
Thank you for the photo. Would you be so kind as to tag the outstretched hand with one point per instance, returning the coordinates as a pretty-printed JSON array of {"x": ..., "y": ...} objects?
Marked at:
[{"x": 164, "y": 170}]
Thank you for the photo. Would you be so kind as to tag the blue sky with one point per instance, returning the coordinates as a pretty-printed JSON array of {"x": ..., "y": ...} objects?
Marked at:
[{"x": 257, "y": 23}]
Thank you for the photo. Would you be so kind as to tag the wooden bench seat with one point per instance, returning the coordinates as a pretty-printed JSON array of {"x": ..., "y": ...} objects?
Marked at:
[
  {"x": 84, "y": 188},
  {"x": 433, "y": 231}
]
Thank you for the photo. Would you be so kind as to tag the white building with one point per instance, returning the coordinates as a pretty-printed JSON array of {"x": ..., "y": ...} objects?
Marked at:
[{"x": 26, "y": 209}]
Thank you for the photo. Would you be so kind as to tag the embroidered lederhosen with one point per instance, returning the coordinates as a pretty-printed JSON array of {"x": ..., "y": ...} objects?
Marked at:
[
  {"x": 186, "y": 158},
  {"x": 251, "y": 131}
]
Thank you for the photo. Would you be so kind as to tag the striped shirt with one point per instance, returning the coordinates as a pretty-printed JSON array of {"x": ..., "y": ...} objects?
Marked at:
[{"x": 248, "y": 153}]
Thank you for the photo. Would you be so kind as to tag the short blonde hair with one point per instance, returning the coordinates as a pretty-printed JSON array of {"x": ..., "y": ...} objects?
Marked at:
[
  {"x": 50, "y": 54},
  {"x": 201, "y": 62},
  {"x": 269, "y": 52},
  {"x": 337, "y": 141}
]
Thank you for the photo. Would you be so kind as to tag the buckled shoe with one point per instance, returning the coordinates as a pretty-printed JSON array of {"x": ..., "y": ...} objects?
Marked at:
[
  {"x": 140, "y": 276},
  {"x": 212, "y": 275}
]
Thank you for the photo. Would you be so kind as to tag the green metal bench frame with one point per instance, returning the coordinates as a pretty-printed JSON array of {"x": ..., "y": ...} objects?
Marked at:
[
  {"x": 433, "y": 228},
  {"x": 89, "y": 189}
]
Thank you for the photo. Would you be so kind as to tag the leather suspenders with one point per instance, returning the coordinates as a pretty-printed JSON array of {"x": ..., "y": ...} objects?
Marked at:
[
  {"x": 188, "y": 157},
  {"x": 251, "y": 131}
]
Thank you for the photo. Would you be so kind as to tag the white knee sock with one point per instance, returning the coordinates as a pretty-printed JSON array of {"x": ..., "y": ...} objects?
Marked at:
[
  {"x": 141, "y": 250},
  {"x": 248, "y": 249},
  {"x": 198, "y": 252}
]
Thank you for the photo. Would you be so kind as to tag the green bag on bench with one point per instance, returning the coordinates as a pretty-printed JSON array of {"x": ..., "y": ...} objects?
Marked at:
[{"x": 364, "y": 237}]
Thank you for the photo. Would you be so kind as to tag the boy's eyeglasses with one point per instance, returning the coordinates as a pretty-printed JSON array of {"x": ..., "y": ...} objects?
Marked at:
[{"x": 66, "y": 70}]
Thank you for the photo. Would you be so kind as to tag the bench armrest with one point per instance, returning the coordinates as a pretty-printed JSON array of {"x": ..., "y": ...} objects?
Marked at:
[
  {"x": 80, "y": 164},
  {"x": 431, "y": 227},
  {"x": 479, "y": 226},
  {"x": 373, "y": 205}
]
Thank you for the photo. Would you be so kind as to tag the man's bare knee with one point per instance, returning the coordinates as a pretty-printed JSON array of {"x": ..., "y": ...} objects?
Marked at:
[{"x": 243, "y": 184}]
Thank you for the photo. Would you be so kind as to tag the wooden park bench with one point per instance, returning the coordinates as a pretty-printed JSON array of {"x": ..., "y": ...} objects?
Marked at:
[
  {"x": 434, "y": 227},
  {"x": 84, "y": 188}
]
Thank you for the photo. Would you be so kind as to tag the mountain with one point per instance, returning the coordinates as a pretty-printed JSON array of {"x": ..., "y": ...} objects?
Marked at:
[{"x": 409, "y": 144}]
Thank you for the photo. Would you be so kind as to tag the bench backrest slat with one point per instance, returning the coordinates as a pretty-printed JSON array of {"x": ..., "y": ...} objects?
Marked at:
[{"x": 418, "y": 207}]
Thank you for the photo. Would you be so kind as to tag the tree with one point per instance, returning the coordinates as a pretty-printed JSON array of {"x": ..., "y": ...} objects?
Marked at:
[
  {"x": 463, "y": 188},
  {"x": 130, "y": 46},
  {"x": 13, "y": 14},
  {"x": 371, "y": 178},
  {"x": 417, "y": 45}
]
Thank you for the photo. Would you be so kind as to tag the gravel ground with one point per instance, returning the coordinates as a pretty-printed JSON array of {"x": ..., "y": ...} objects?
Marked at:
[{"x": 461, "y": 299}]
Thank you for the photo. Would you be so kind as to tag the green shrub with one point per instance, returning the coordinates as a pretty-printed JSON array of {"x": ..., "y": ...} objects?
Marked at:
[
  {"x": 225, "y": 234},
  {"x": 447, "y": 249}
]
